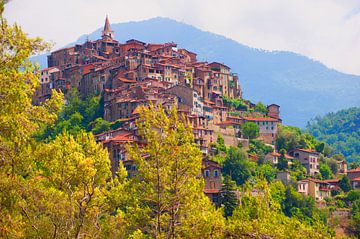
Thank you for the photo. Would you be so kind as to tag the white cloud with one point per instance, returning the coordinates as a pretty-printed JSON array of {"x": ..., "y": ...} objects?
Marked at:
[{"x": 326, "y": 30}]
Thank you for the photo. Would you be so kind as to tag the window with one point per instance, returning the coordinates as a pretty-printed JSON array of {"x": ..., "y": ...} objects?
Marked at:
[
  {"x": 216, "y": 173},
  {"x": 207, "y": 173}
]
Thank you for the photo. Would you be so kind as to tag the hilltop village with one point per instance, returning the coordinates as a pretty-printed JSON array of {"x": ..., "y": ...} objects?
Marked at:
[{"x": 135, "y": 73}]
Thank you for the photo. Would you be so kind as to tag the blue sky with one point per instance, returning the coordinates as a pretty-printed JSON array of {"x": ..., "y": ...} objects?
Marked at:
[{"x": 325, "y": 30}]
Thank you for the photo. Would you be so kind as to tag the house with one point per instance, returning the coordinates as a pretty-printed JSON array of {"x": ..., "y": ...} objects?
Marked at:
[
  {"x": 355, "y": 183},
  {"x": 211, "y": 172},
  {"x": 188, "y": 99},
  {"x": 283, "y": 176},
  {"x": 353, "y": 173},
  {"x": 315, "y": 188},
  {"x": 308, "y": 158},
  {"x": 273, "y": 111},
  {"x": 273, "y": 157},
  {"x": 342, "y": 167},
  {"x": 267, "y": 126}
]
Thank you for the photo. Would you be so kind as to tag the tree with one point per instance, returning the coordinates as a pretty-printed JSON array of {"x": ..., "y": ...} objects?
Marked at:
[
  {"x": 283, "y": 162},
  {"x": 260, "y": 107},
  {"x": 74, "y": 174},
  {"x": 166, "y": 184},
  {"x": 268, "y": 171},
  {"x": 345, "y": 183},
  {"x": 325, "y": 171},
  {"x": 238, "y": 166},
  {"x": 100, "y": 125},
  {"x": 220, "y": 144},
  {"x": 19, "y": 120},
  {"x": 250, "y": 130},
  {"x": 228, "y": 197}
]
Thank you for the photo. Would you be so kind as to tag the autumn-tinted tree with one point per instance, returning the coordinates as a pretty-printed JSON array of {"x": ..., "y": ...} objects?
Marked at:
[
  {"x": 19, "y": 119},
  {"x": 167, "y": 185}
]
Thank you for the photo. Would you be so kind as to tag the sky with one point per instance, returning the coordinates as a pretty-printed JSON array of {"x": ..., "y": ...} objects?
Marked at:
[{"x": 324, "y": 30}]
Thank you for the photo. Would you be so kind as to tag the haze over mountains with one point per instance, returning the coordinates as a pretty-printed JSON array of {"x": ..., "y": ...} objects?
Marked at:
[{"x": 302, "y": 87}]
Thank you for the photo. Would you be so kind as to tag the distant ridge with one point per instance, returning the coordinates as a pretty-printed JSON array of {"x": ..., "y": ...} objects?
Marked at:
[{"x": 304, "y": 88}]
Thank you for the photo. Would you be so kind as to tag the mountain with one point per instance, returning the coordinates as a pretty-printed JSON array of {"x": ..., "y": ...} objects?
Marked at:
[
  {"x": 341, "y": 130},
  {"x": 304, "y": 88}
]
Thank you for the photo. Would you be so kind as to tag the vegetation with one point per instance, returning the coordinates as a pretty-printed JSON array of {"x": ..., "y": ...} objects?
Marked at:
[
  {"x": 238, "y": 166},
  {"x": 237, "y": 104},
  {"x": 261, "y": 108},
  {"x": 55, "y": 181},
  {"x": 250, "y": 130},
  {"x": 228, "y": 197},
  {"x": 341, "y": 130}
]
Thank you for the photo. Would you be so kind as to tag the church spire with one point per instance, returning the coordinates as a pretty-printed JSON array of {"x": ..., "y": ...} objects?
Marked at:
[{"x": 107, "y": 33}]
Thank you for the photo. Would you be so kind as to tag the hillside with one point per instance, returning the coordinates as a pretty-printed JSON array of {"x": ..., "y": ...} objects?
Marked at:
[
  {"x": 341, "y": 130},
  {"x": 304, "y": 88}
]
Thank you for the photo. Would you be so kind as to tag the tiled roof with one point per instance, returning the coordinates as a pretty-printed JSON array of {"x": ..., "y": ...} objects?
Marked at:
[
  {"x": 355, "y": 170},
  {"x": 123, "y": 79},
  {"x": 261, "y": 119},
  {"x": 210, "y": 191},
  {"x": 355, "y": 179}
]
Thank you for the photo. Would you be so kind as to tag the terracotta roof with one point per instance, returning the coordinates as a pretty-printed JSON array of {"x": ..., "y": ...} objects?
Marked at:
[
  {"x": 331, "y": 180},
  {"x": 126, "y": 80},
  {"x": 261, "y": 119},
  {"x": 121, "y": 138},
  {"x": 355, "y": 179},
  {"x": 306, "y": 151},
  {"x": 210, "y": 191},
  {"x": 276, "y": 154},
  {"x": 313, "y": 180},
  {"x": 354, "y": 170}
]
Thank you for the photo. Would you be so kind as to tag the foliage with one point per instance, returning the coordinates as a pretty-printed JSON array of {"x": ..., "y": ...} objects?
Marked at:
[
  {"x": 238, "y": 166},
  {"x": 345, "y": 183},
  {"x": 325, "y": 171},
  {"x": 341, "y": 130},
  {"x": 236, "y": 103},
  {"x": 290, "y": 138},
  {"x": 220, "y": 144},
  {"x": 250, "y": 130},
  {"x": 283, "y": 162},
  {"x": 19, "y": 119},
  {"x": 166, "y": 185},
  {"x": 100, "y": 125},
  {"x": 258, "y": 147},
  {"x": 228, "y": 198},
  {"x": 261, "y": 217},
  {"x": 261, "y": 108},
  {"x": 77, "y": 115},
  {"x": 267, "y": 171}
]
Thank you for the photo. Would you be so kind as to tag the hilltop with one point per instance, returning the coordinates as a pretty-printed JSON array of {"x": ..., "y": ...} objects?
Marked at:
[{"x": 303, "y": 87}]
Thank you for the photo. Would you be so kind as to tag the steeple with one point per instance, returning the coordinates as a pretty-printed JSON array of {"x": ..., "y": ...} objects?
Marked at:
[{"x": 107, "y": 33}]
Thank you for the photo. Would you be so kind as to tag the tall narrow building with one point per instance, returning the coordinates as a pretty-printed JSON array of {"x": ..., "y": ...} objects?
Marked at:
[{"x": 107, "y": 33}]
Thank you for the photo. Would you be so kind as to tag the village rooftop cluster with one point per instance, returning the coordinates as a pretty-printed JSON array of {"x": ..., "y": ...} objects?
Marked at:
[{"x": 135, "y": 73}]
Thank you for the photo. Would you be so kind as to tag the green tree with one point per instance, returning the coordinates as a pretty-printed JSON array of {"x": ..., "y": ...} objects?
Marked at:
[
  {"x": 268, "y": 172},
  {"x": 260, "y": 107},
  {"x": 283, "y": 162},
  {"x": 166, "y": 184},
  {"x": 228, "y": 197},
  {"x": 325, "y": 171},
  {"x": 238, "y": 166},
  {"x": 250, "y": 130},
  {"x": 345, "y": 183},
  {"x": 100, "y": 125}
]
